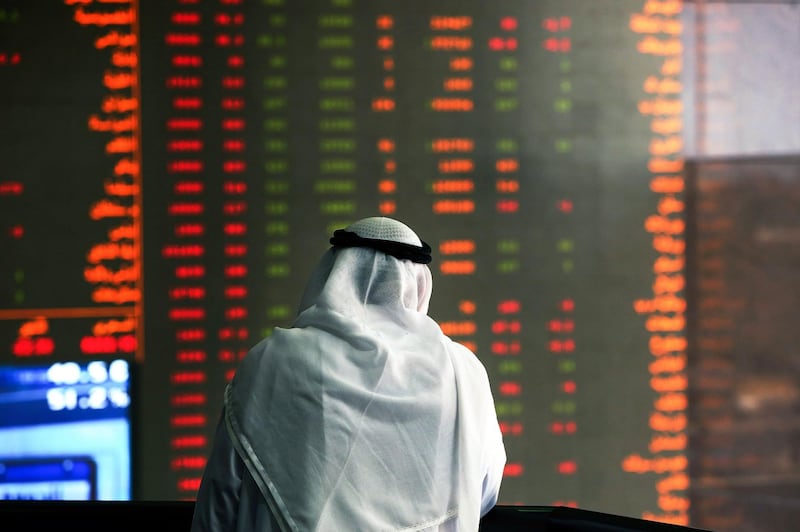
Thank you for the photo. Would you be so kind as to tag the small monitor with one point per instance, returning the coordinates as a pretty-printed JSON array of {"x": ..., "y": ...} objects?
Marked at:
[{"x": 66, "y": 430}]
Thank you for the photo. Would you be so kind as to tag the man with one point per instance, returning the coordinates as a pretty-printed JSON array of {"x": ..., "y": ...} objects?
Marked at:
[{"x": 363, "y": 415}]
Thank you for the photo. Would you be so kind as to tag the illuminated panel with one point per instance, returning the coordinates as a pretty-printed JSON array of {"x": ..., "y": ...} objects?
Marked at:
[
  {"x": 66, "y": 429},
  {"x": 506, "y": 348},
  {"x": 101, "y": 244},
  {"x": 184, "y": 242},
  {"x": 114, "y": 266},
  {"x": 659, "y": 32},
  {"x": 387, "y": 185},
  {"x": 384, "y": 105},
  {"x": 565, "y": 402},
  {"x": 454, "y": 185},
  {"x": 277, "y": 165},
  {"x": 336, "y": 184},
  {"x": 233, "y": 333},
  {"x": 454, "y": 156},
  {"x": 507, "y": 345}
]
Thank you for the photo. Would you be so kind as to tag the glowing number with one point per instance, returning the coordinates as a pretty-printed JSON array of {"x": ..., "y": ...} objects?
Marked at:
[
  {"x": 510, "y": 366},
  {"x": 276, "y": 145},
  {"x": 566, "y": 366},
  {"x": 507, "y": 145},
  {"x": 277, "y": 270},
  {"x": 563, "y": 145},
  {"x": 508, "y": 266},
  {"x": 98, "y": 399},
  {"x": 276, "y": 166},
  {"x": 276, "y": 228},
  {"x": 278, "y": 311},
  {"x": 563, "y": 105},
  {"x": 506, "y": 104},
  {"x": 276, "y": 186},
  {"x": 508, "y": 245},
  {"x": 275, "y": 124},
  {"x": 508, "y": 63},
  {"x": 563, "y": 407},
  {"x": 274, "y": 104},
  {"x": 276, "y": 207}
]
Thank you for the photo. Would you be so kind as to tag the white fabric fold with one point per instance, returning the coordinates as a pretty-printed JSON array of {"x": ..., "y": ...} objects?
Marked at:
[{"x": 363, "y": 415}]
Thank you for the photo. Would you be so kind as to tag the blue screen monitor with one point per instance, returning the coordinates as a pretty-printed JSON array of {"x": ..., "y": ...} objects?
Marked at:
[{"x": 66, "y": 430}]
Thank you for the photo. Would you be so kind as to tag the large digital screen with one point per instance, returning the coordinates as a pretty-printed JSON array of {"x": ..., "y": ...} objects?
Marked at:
[
  {"x": 66, "y": 431},
  {"x": 609, "y": 188}
]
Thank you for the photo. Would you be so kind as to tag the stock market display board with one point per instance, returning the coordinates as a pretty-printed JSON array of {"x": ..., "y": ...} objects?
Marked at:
[{"x": 171, "y": 171}]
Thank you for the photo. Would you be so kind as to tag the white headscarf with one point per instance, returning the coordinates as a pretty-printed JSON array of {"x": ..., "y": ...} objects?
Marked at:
[{"x": 363, "y": 415}]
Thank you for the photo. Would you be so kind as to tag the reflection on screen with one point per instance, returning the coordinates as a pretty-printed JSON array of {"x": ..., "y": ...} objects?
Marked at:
[{"x": 65, "y": 431}]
